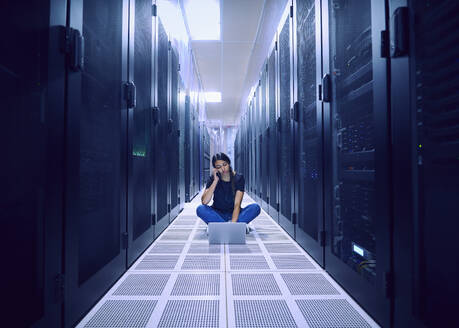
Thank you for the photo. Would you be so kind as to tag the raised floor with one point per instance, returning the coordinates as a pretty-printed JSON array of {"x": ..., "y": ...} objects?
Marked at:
[{"x": 182, "y": 281}]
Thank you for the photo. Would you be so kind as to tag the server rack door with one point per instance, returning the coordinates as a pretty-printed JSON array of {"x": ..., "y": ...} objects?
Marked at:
[
  {"x": 357, "y": 214},
  {"x": 95, "y": 196},
  {"x": 425, "y": 120},
  {"x": 32, "y": 142},
  {"x": 188, "y": 164},
  {"x": 140, "y": 228},
  {"x": 308, "y": 71},
  {"x": 272, "y": 134},
  {"x": 256, "y": 146},
  {"x": 182, "y": 156},
  {"x": 162, "y": 168},
  {"x": 286, "y": 133},
  {"x": 264, "y": 135},
  {"x": 173, "y": 136},
  {"x": 196, "y": 154}
]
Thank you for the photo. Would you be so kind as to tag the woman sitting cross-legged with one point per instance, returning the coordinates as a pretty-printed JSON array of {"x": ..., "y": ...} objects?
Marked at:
[{"x": 227, "y": 189}]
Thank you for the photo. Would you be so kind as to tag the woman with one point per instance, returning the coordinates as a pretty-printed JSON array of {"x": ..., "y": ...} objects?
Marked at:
[{"x": 227, "y": 189}]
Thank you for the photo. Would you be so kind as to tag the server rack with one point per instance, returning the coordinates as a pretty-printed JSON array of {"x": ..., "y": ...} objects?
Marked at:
[
  {"x": 264, "y": 156},
  {"x": 182, "y": 148},
  {"x": 357, "y": 207},
  {"x": 424, "y": 122},
  {"x": 272, "y": 132},
  {"x": 161, "y": 160},
  {"x": 286, "y": 148},
  {"x": 309, "y": 229},
  {"x": 173, "y": 135},
  {"x": 206, "y": 155},
  {"x": 32, "y": 138}
]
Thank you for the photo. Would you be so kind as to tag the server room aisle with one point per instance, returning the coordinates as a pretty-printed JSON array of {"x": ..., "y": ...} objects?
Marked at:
[{"x": 182, "y": 281}]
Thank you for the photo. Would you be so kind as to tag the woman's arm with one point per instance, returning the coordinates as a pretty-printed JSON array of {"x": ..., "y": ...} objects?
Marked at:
[
  {"x": 237, "y": 205},
  {"x": 208, "y": 193}
]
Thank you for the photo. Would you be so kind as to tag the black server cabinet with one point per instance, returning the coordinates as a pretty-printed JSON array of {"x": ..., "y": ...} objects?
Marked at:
[
  {"x": 252, "y": 131},
  {"x": 309, "y": 229},
  {"x": 188, "y": 150},
  {"x": 181, "y": 136},
  {"x": 96, "y": 148},
  {"x": 264, "y": 156},
  {"x": 196, "y": 154},
  {"x": 273, "y": 135},
  {"x": 286, "y": 144},
  {"x": 140, "y": 227},
  {"x": 161, "y": 159},
  {"x": 173, "y": 135},
  {"x": 206, "y": 164},
  {"x": 357, "y": 207},
  {"x": 256, "y": 144},
  {"x": 32, "y": 71},
  {"x": 425, "y": 124}
]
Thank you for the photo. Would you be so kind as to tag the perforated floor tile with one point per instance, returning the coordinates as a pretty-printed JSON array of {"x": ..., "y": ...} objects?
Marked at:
[
  {"x": 190, "y": 314},
  {"x": 272, "y": 236},
  {"x": 292, "y": 262},
  {"x": 244, "y": 249},
  {"x": 167, "y": 248},
  {"x": 282, "y": 248},
  {"x": 308, "y": 284},
  {"x": 251, "y": 262},
  {"x": 142, "y": 285},
  {"x": 201, "y": 234},
  {"x": 196, "y": 262},
  {"x": 157, "y": 262},
  {"x": 331, "y": 313},
  {"x": 254, "y": 284},
  {"x": 123, "y": 314},
  {"x": 172, "y": 235},
  {"x": 263, "y": 313},
  {"x": 197, "y": 285},
  {"x": 204, "y": 248}
]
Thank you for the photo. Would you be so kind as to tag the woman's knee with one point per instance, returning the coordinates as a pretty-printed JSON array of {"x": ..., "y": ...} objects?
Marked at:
[
  {"x": 200, "y": 210},
  {"x": 255, "y": 208}
]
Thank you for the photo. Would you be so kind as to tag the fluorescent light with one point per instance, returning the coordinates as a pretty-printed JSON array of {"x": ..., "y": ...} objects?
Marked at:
[
  {"x": 172, "y": 19},
  {"x": 213, "y": 97},
  {"x": 203, "y": 17}
]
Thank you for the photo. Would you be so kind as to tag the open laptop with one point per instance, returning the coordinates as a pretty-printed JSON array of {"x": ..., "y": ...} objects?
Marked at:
[{"x": 227, "y": 232}]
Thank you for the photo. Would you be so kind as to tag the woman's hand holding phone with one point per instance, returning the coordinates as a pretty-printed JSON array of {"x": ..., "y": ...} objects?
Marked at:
[{"x": 217, "y": 174}]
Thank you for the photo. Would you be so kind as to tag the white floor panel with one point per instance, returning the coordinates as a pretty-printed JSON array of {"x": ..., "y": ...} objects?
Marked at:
[{"x": 183, "y": 281}]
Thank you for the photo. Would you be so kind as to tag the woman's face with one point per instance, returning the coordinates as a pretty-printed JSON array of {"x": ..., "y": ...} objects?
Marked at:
[{"x": 222, "y": 166}]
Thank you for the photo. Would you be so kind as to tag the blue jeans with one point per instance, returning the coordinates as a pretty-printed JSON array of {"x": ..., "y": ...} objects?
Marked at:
[{"x": 209, "y": 214}]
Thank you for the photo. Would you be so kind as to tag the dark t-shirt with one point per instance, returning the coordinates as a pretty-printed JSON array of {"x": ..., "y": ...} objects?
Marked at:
[{"x": 223, "y": 194}]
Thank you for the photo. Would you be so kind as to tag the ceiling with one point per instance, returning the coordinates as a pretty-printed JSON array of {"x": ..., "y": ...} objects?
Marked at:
[{"x": 231, "y": 65}]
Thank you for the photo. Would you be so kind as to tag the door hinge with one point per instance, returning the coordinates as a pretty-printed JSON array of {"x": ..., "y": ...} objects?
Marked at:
[
  {"x": 153, "y": 219},
  {"x": 294, "y": 220},
  {"x": 320, "y": 91},
  {"x": 388, "y": 284},
  {"x": 59, "y": 288},
  {"x": 275, "y": 45},
  {"x": 279, "y": 128},
  {"x": 291, "y": 11},
  {"x": 399, "y": 31},
  {"x": 322, "y": 236},
  {"x": 384, "y": 44},
  {"x": 278, "y": 206},
  {"x": 267, "y": 200},
  {"x": 124, "y": 240},
  {"x": 75, "y": 48},
  {"x": 168, "y": 207},
  {"x": 154, "y": 10},
  {"x": 178, "y": 133},
  {"x": 155, "y": 115},
  {"x": 130, "y": 94},
  {"x": 169, "y": 125}
]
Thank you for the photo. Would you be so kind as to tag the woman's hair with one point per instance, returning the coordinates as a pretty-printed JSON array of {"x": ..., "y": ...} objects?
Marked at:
[{"x": 224, "y": 157}]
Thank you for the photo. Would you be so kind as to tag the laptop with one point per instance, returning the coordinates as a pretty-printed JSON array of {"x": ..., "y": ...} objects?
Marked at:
[{"x": 227, "y": 232}]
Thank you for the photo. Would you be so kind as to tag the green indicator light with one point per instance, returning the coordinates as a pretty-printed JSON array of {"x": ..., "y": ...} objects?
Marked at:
[{"x": 420, "y": 146}]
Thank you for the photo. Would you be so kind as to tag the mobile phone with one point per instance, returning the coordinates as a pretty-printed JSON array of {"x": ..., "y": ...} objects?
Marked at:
[{"x": 219, "y": 175}]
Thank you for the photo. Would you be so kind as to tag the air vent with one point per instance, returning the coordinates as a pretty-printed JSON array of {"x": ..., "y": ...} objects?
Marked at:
[
  {"x": 204, "y": 248},
  {"x": 292, "y": 262},
  {"x": 142, "y": 285},
  {"x": 167, "y": 248},
  {"x": 123, "y": 313},
  {"x": 282, "y": 248},
  {"x": 331, "y": 313},
  {"x": 157, "y": 262},
  {"x": 244, "y": 249},
  {"x": 197, "y": 285},
  {"x": 209, "y": 262},
  {"x": 263, "y": 313},
  {"x": 308, "y": 284},
  {"x": 248, "y": 262},
  {"x": 190, "y": 313},
  {"x": 254, "y": 284}
]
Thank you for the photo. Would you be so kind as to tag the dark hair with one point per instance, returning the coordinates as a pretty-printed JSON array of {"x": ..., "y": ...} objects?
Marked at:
[{"x": 224, "y": 157}]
